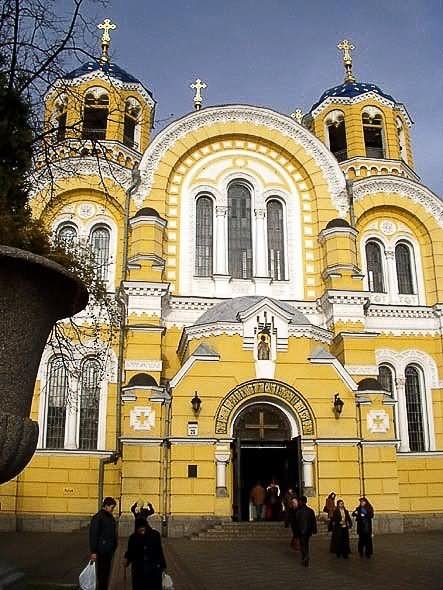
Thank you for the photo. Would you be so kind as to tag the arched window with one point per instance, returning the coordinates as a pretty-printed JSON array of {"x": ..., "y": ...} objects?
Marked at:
[
  {"x": 413, "y": 393},
  {"x": 89, "y": 404},
  {"x": 59, "y": 117},
  {"x": 401, "y": 139},
  {"x": 57, "y": 399},
  {"x": 336, "y": 129},
  {"x": 67, "y": 234},
  {"x": 95, "y": 114},
  {"x": 404, "y": 269},
  {"x": 386, "y": 378},
  {"x": 131, "y": 123},
  {"x": 239, "y": 231},
  {"x": 276, "y": 247},
  {"x": 100, "y": 238},
  {"x": 374, "y": 265},
  {"x": 204, "y": 237},
  {"x": 373, "y": 133}
]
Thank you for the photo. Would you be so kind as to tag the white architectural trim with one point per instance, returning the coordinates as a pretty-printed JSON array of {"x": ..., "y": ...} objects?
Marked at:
[
  {"x": 187, "y": 366},
  {"x": 402, "y": 187},
  {"x": 258, "y": 116},
  {"x": 341, "y": 371}
]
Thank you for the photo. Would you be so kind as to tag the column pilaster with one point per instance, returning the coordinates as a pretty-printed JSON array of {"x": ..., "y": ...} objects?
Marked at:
[{"x": 403, "y": 429}]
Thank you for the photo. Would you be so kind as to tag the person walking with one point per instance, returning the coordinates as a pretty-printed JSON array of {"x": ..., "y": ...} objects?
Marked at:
[
  {"x": 306, "y": 526},
  {"x": 257, "y": 497},
  {"x": 145, "y": 555},
  {"x": 329, "y": 508},
  {"x": 287, "y": 503},
  {"x": 103, "y": 541},
  {"x": 341, "y": 523},
  {"x": 364, "y": 513},
  {"x": 291, "y": 515}
]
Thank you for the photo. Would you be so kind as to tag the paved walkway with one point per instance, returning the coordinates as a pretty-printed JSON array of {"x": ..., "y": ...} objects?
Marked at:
[{"x": 401, "y": 562}]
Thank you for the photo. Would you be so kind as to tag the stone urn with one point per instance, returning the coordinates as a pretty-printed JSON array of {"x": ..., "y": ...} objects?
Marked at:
[{"x": 34, "y": 294}]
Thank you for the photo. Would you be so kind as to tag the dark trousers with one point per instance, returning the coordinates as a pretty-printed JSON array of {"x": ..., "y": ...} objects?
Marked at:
[
  {"x": 365, "y": 544},
  {"x": 304, "y": 548},
  {"x": 103, "y": 570}
]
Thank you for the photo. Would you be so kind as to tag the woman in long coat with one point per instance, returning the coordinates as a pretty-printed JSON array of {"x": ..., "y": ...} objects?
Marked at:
[
  {"x": 145, "y": 555},
  {"x": 329, "y": 508},
  {"x": 364, "y": 513},
  {"x": 341, "y": 523}
]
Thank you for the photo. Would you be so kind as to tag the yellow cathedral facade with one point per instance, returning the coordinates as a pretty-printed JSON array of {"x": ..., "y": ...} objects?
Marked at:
[{"x": 282, "y": 285}]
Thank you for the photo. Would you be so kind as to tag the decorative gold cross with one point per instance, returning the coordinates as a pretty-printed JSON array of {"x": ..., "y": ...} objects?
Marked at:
[
  {"x": 198, "y": 86},
  {"x": 347, "y": 46},
  {"x": 106, "y": 26},
  {"x": 298, "y": 116}
]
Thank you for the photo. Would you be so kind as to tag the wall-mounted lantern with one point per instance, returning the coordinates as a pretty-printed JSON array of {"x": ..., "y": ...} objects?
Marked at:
[
  {"x": 196, "y": 403},
  {"x": 338, "y": 405}
]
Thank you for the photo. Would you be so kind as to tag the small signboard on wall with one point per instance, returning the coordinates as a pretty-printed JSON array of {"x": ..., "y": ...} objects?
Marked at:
[{"x": 192, "y": 428}]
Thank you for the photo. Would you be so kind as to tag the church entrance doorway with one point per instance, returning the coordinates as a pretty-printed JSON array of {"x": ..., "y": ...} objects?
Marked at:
[{"x": 263, "y": 450}]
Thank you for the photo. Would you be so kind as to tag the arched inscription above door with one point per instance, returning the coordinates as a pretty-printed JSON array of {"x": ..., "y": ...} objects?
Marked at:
[{"x": 268, "y": 388}]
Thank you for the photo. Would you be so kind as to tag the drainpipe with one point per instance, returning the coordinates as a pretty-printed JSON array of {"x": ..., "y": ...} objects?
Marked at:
[
  {"x": 361, "y": 462},
  {"x": 166, "y": 446},
  {"x": 116, "y": 454}
]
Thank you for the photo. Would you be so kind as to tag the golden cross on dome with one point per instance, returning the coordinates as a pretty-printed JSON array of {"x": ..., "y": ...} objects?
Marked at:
[
  {"x": 346, "y": 46},
  {"x": 106, "y": 26},
  {"x": 198, "y": 86}
]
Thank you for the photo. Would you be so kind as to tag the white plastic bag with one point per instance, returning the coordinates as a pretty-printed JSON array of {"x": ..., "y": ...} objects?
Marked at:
[
  {"x": 167, "y": 583},
  {"x": 87, "y": 578}
]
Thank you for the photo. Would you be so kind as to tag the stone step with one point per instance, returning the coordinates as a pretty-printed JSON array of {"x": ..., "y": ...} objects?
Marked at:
[{"x": 249, "y": 531}]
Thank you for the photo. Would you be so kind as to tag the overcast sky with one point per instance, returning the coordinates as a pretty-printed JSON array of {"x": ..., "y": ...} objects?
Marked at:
[{"x": 282, "y": 54}]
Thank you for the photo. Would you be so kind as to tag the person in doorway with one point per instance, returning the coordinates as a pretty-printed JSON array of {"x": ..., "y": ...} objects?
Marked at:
[
  {"x": 273, "y": 501},
  {"x": 341, "y": 523},
  {"x": 145, "y": 555},
  {"x": 257, "y": 497},
  {"x": 103, "y": 541},
  {"x": 329, "y": 508},
  {"x": 306, "y": 526},
  {"x": 364, "y": 513},
  {"x": 291, "y": 513}
]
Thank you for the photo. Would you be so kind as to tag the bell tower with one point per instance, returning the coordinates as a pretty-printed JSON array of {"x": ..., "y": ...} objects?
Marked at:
[
  {"x": 99, "y": 106},
  {"x": 366, "y": 129}
]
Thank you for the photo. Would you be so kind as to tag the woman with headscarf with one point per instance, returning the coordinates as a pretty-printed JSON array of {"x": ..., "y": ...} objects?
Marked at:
[
  {"x": 341, "y": 523},
  {"x": 364, "y": 513},
  {"x": 145, "y": 555}
]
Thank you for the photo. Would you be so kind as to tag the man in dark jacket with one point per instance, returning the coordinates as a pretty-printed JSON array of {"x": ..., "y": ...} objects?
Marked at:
[
  {"x": 103, "y": 541},
  {"x": 306, "y": 525}
]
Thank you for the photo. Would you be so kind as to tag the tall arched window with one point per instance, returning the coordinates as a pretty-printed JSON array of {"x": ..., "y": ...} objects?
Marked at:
[
  {"x": 60, "y": 117},
  {"x": 374, "y": 265},
  {"x": 386, "y": 378},
  {"x": 336, "y": 129},
  {"x": 401, "y": 139},
  {"x": 100, "y": 238},
  {"x": 89, "y": 404},
  {"x": 57, "y": 399},
  {"x": 276, "y": 240},
  {"x": 403, "y": 265},
  {"x": 413, "y": 392},
  {"x": 67, "y": 234},
  {"x": 239, "y": 231},
  {"x": 95, "y": 114},
  {"x": 373, "y": 133},
  {"x": 131, "y": 123},
  {"x": 204, "y": 237}
]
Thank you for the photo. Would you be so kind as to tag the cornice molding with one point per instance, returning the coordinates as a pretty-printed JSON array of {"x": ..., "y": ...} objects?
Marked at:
[
  {"x": 403, "y": 187},
  {"x": 259, "y": 117}
]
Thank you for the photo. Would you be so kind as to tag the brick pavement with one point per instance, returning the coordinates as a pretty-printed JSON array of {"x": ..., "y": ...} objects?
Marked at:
[{"x": 412, "y": 561}]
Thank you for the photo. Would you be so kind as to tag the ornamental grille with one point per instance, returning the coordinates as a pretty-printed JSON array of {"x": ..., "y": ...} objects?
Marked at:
[
  {"x": 276, "y": 260},
  {"x": 414, "y": 409},
  {"x": 57, "y": 400},
  {"x": 386, "y": 379},
  {"x": 404, "y": 269},
  {"x": 374, "y": 267},
  {"x": 67, "y": 235},
  {"x": 89, "y": 404},
  {"x": 239, "y": 232},
  {"x": 204, "y": 237},
  {"x": 100, "y": 239}
]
